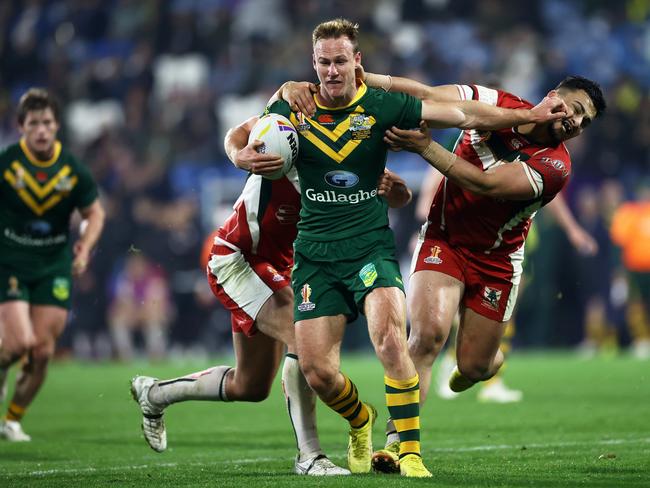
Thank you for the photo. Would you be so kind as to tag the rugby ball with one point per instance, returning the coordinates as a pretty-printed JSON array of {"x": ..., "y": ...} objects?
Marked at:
[{"x": 279, "y": 137}]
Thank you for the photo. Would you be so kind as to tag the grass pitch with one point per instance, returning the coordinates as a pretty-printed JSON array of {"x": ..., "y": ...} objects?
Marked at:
[{"x": 582, "y": 423}]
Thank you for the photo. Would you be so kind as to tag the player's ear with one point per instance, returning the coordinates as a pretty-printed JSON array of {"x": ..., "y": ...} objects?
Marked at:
[
  {"x": 357, "y": 59},
  {"x": 553, "y": 93},
  {"x": 313, "y": 60}
]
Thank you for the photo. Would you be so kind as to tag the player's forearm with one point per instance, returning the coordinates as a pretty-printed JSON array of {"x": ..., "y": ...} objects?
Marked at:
[
  {"x": 483, "y": 116},
  {"x": 458, "y": 170},
  {"x": 441, "y": 93},
  {"x": 235, "y": 140},
  {"x": 92, "y": 225}
]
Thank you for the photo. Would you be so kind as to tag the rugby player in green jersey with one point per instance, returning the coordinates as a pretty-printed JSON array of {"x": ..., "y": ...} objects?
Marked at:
[
  {"x": 41, "y": 185},
  {"x": 344, "y": 254}
]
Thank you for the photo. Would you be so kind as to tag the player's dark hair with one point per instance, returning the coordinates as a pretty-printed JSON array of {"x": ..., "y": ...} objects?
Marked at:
[
  {"x": 591, "y": 88},
  {"x": 333, "y": 29},
  {"x": 37, "y": 99}
]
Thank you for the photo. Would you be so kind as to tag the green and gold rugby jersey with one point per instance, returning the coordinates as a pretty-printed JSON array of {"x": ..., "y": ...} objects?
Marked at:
[
  {"x": 37, "y": 199},
  {"x": 341, "y": 156}
]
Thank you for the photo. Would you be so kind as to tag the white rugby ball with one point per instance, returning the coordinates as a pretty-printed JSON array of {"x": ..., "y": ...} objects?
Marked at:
[{"x": 279, "y": 137}]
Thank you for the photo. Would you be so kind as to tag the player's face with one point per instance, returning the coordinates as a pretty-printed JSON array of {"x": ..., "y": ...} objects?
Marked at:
[
  {"x": 39, "y": 130},
  {"x": 334, "y": 62},
  {"x": 581, "y": 112}
]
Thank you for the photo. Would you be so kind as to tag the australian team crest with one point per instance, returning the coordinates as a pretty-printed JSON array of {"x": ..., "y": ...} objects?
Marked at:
[
  {"x": 368, "y": 274},
  {"x": 61, "y": 288},
  {"x": 306, "y": 304},
  {"x": 13, "y": 290},
  {"x": 360, "y": 126}
]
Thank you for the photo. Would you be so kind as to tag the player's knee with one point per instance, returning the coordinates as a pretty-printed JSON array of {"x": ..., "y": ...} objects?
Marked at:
[
  {"x": 320, "y": 377},
  {"x": 390, "y": 347},
  {"x": 426, "y": 343},
  {"x": 257, "y": 393},
  {"x": 15, "y": 349},
  {"x": 473, "y": 370}
]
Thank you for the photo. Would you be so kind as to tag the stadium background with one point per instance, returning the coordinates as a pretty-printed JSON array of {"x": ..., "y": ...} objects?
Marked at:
[{"x": 150, "y": 87}]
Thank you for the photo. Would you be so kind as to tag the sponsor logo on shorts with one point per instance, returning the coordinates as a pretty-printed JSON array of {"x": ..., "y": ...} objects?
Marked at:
[
  {"x": 491, "y": 297},
  {"x": 61, "y": 288},
  {"x": 368, "y": 274},
  {"x": 13, "y": 291},
  {"x": 434, "y": 257},
  {"x": 276, "y": 276},
  {"x": 306, "y": 304},
  {"x": 341, "y": 179},
  {"x": 517, "y": 144}
]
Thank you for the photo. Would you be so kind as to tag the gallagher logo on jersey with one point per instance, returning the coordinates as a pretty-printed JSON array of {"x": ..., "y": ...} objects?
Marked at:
[{"x": 341, "y": 179}]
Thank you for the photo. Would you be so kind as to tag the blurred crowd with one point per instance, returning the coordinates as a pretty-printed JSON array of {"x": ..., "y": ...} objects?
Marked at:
[{"x": 150, "y": 87}]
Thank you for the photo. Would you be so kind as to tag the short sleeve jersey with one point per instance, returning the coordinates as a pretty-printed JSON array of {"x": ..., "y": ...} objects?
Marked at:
[
  {"x": 37, "y": 199},
  {"x": 264, "y": 219},
  {"x": 340, "y": 159},
  {"x": 490, "y": 225}
]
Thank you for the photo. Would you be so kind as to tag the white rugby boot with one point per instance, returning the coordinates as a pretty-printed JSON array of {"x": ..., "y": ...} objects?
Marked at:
[
  {"x": 496, "y": 391},
  {"x": 13, "y": 431},
  {"x": 153, "y": 424},
  {"x": 319, "y": 465}
]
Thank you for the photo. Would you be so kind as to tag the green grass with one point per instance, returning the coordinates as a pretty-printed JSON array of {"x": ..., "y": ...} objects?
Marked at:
[{"x": 582, "y": 423}]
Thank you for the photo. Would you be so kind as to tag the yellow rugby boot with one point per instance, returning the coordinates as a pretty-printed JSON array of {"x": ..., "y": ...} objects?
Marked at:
[
  {"x": 360, "y": 444},
  {"x": 412, "y": 466},
  {"x": 458, "y": 382}
]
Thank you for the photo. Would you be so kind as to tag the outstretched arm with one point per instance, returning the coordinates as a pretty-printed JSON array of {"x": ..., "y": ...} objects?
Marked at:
[
  {"x": 507, "y": 181},
  {"x": 244, "y": 155},
  {"x": 442, "y": 106}
]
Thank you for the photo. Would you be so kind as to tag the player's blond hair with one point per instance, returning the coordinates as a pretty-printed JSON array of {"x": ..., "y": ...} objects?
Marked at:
[{"x": 333, "y": 29}]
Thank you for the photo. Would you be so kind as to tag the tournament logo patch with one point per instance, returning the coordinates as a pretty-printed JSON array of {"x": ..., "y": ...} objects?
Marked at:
[
  {"x": 491, "y": 297},
  {"x": 360, "y": 126},
  {"x": 14, "y": 290},
  {"x": 303, "y": 125},
  {"x": 61, "y": 288},
  {"x": 306, "y": 304},
  {"x": 276, "y": 276},
  {"x": 368, "y": 274},
  {"x": 434, "y": 257}
]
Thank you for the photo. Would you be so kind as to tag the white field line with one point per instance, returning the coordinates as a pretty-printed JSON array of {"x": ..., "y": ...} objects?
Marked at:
[{"x": 489, "y": 447}]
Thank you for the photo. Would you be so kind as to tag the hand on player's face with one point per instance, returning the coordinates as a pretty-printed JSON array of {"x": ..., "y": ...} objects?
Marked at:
[
  {"x": 300, "y": 96},
  {"x": 259, "y": 163},
  {"x": 412, "y": 140},
  {"x": 552, "y": 107}
]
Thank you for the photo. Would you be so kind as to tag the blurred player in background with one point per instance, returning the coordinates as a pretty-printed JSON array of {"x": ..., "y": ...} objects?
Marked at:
[
  {"x": 249, "y": 270},
  {"x": 630, "y": 230},
  {"x": 42, "y": 186},
  {"x": 345, "y": 252},
  {"x": 470, "y": 250}
]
